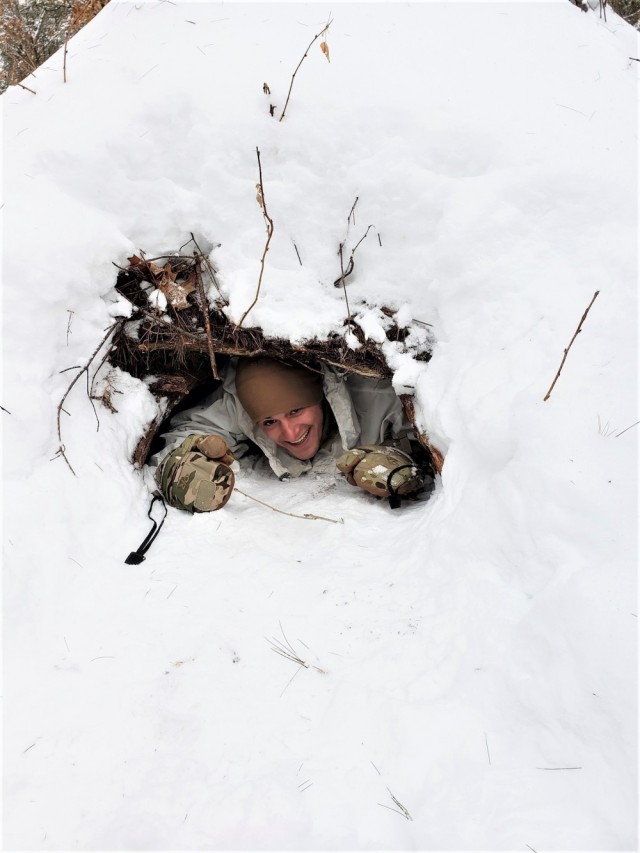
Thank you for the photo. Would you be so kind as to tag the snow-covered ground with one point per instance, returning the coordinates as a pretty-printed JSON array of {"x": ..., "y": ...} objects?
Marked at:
[{"x": 472, "y": 664}]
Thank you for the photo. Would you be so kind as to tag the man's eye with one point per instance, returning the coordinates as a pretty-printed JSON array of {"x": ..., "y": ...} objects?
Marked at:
[
  {"x": 268, "y": 423},
  {"x": 295, "y": 411}
]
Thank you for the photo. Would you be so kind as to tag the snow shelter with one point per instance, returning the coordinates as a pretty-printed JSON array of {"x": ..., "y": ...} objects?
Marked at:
[{"x": 179, "y": 343}]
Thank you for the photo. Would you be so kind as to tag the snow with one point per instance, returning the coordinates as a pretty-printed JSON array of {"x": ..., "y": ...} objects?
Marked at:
[{"x": 462, "y": 652}]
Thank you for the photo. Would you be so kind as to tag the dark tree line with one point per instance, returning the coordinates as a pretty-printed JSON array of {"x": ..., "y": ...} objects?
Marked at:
[{"x": 32, "y": 30}]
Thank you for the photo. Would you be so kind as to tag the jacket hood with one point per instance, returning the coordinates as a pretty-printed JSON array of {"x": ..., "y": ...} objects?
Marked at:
[{"x": 282, "y": 463}]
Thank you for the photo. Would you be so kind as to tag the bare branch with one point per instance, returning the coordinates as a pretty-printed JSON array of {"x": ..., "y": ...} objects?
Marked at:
[
  {"x": 269, "y": 223},
  {"x": 26, "y": 88},
  {"x": 204, "y": 305},
  {"x": 209, "y": 267},
  {"x": 566, "y": 352},
  {"x": 82, "y": 370},
  {"x": 293, "y": 76},
  {"x": 343, "y": 275}
]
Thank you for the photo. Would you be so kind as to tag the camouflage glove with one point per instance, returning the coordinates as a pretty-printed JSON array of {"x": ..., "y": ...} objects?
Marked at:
[
  {"x": 196, "y": 475},
  {"x": 381, "y": 470}
]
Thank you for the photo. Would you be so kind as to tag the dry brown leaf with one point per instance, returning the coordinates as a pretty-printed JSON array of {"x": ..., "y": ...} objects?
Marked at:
[
  {"x": 324, "y": 47},
  {"x": 259, "y": 197},
  {"x": 176, "y": 292},
  {"x": 135, "y": 261},
  {"x": 168, "y": 271}
]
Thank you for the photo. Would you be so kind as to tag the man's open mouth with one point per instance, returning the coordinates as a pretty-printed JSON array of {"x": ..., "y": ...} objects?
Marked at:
[{"x": 302, "y": 438}]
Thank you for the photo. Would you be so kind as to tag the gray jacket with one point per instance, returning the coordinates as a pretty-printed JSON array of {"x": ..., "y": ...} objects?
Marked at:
[{"x": 367, "y": 411}]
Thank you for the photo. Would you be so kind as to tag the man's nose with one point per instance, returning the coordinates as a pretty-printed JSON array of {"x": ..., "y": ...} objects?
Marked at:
[{"x": 290, "y": 430}]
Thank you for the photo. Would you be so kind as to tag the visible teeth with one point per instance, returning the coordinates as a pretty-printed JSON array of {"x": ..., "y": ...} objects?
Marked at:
[{"x": 301, "y": 439}]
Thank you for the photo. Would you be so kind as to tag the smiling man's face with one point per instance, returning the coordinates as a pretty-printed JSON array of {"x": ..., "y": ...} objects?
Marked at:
[{"x": 298, "y": 431}]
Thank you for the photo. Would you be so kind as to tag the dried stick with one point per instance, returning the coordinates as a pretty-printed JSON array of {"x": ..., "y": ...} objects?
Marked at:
[
  {"x": 293, "y": 76},
  {"x": 308, "y": 516},
  {"x": 209, "y": 268},
  {"x": 343, "y": 275},
  {"x": 617, "y": 435},
  {"x": 339, "y": 282},
  {"x": 269, "y": 224},
  {"x": 207, "y": 323},
  {"x": 85, "y": 369},
  {"x": 25, "y": 87},
  {"x": 352, "y": 212},
  {"x": 409, "y": 410},
  {"x": 64, "y": 62},
  {"x": 566, "y": 352}
]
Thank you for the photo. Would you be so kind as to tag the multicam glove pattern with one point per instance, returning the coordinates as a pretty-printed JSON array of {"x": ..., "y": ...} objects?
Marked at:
[
  {"x": 196, "y": 475},
  {"x": 381, "y": 470}
]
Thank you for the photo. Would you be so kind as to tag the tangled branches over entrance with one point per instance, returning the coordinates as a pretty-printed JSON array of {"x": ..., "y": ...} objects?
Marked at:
[{"x": 177, "y": 341}]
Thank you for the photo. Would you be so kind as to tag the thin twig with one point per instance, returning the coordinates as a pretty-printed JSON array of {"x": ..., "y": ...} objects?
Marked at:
[
  {"x": 340, "y": 281},
  {"x": 85, "y": 369},
  {"x": 307, "y": 515},
  {"x": 352, "y": 212},
  {"x": 617, "y": 436},
  {"x": 486, "y": 743},
  {"x": 209, "y": 267},
  {"x": 566, "y": 352},
  {"x": 25, "y": 87},
  {"x": 5, "y": 410},
  {"x": 293, "y": 76},
  {"x": 558, "y": 768},
  {"x": 64, "y": 62},
  {"x": 207, "y": 323},
  {"x": 269, "y": 224},
  {"x": 90, "y": 396},
  {"x": 297, "y": 253},
  {"x": 353, "y": 251},
  {"x": 346, "y": 298},
  {"x": 95, "y": 373}
]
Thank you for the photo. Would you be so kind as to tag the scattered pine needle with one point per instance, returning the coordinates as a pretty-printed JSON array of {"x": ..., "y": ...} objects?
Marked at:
[{"x": 401, "y": 810}]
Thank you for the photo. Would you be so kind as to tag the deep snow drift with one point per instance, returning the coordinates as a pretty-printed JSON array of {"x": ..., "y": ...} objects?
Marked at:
[{"x": 471, "y": 660}]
